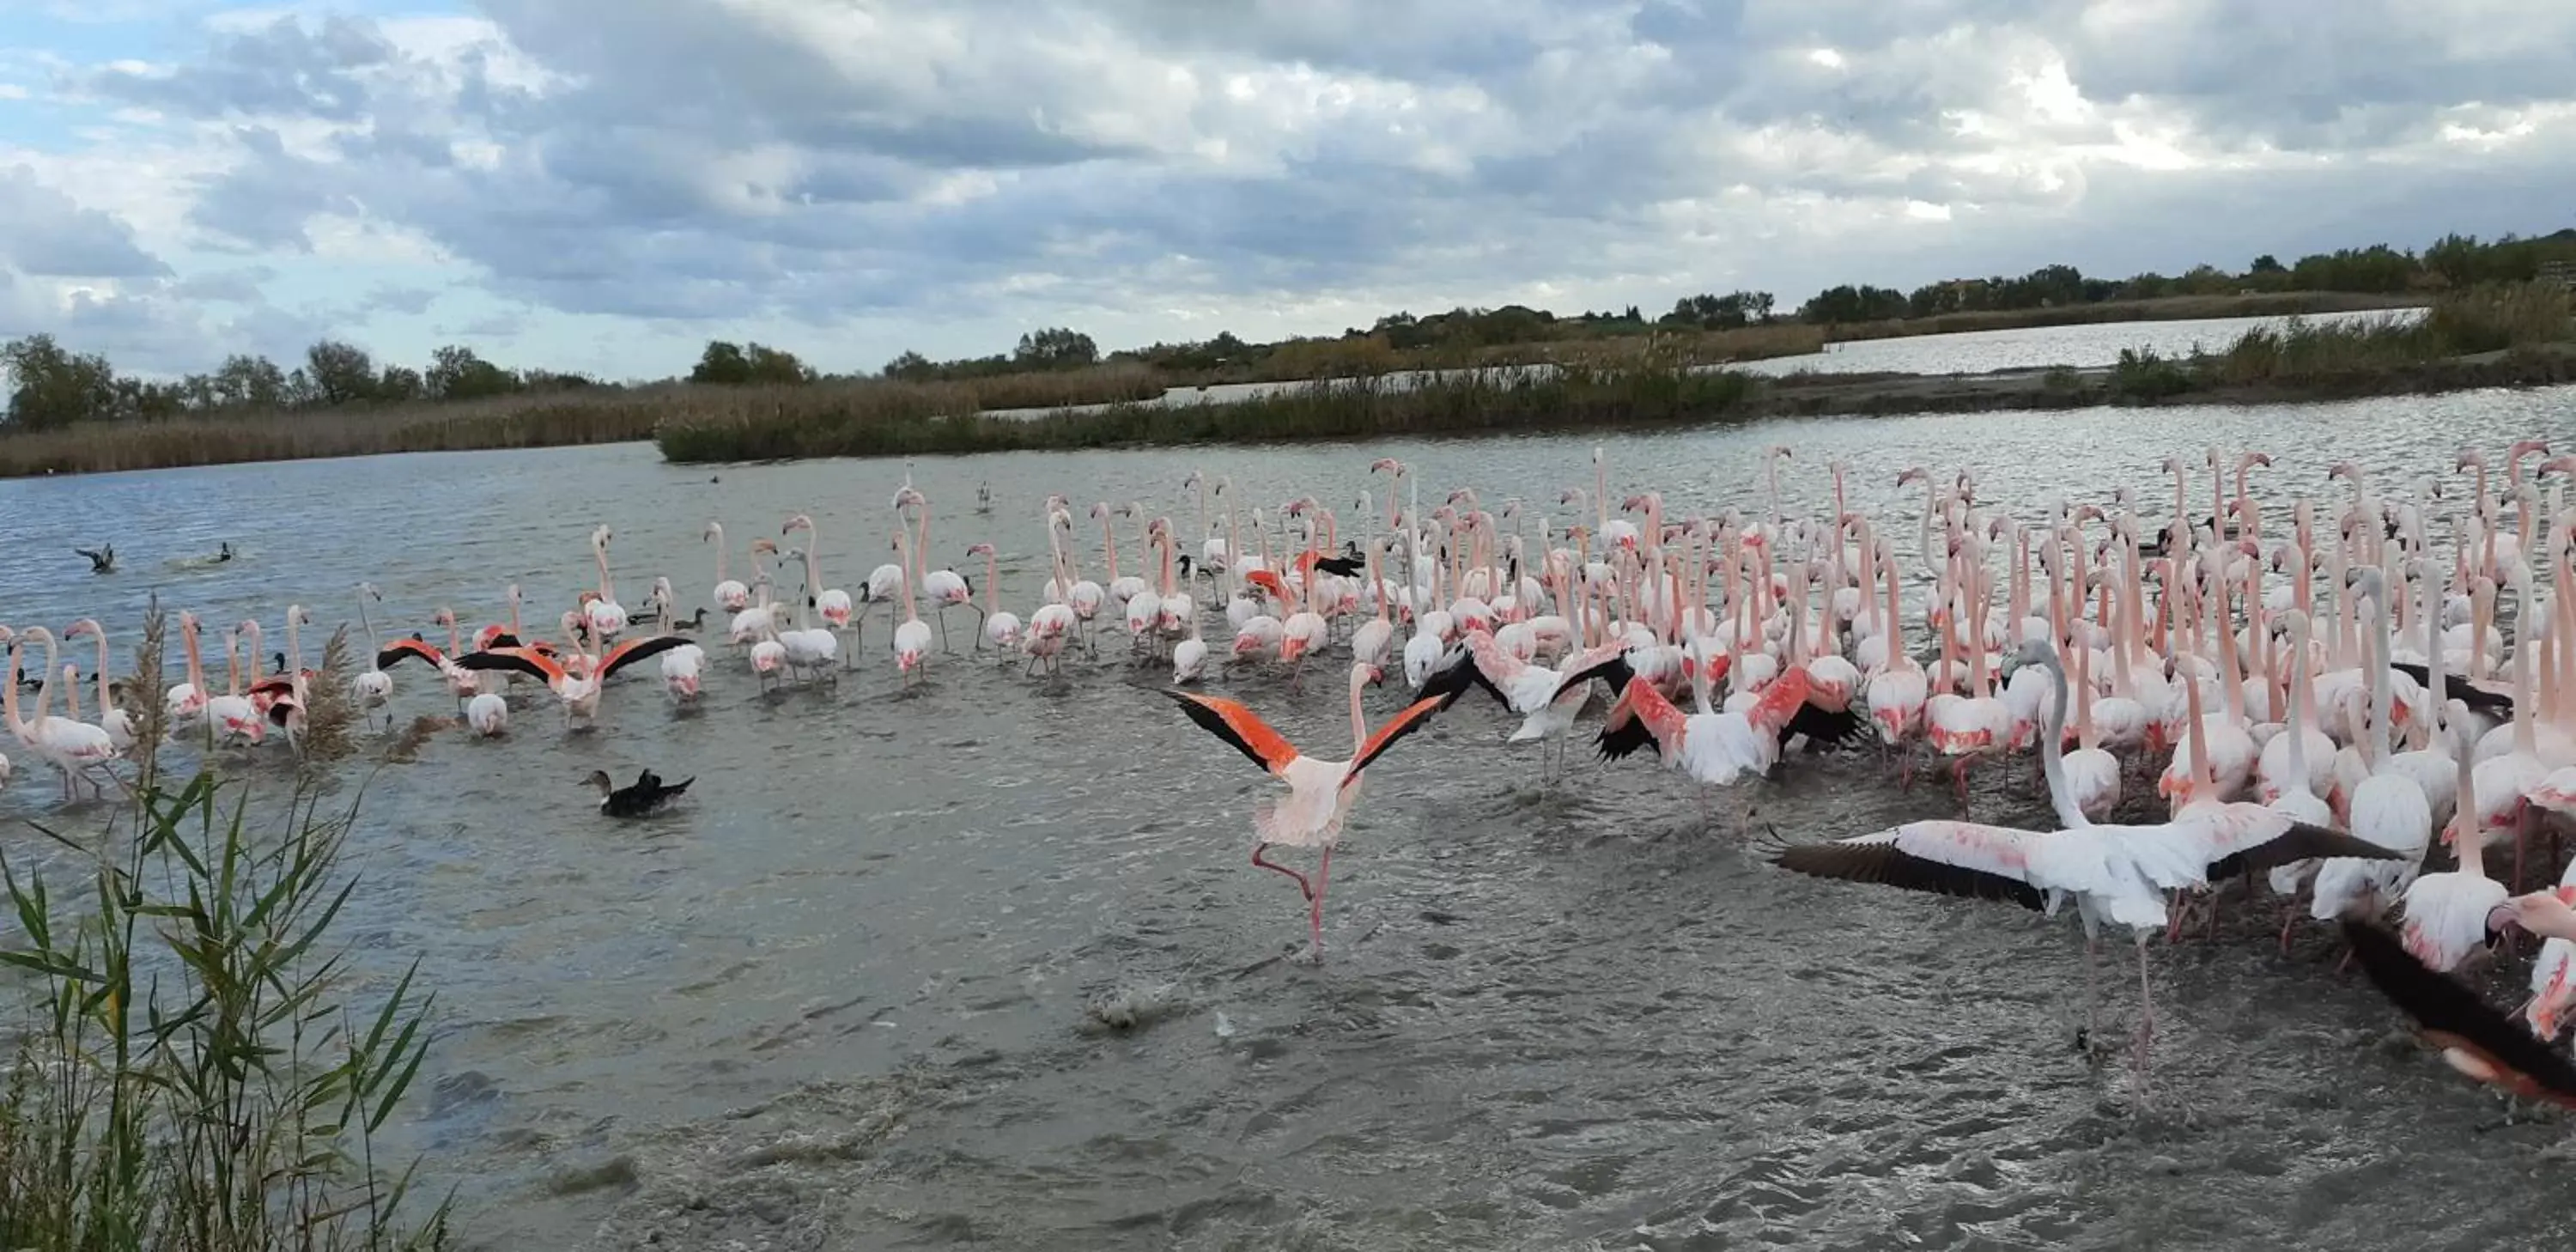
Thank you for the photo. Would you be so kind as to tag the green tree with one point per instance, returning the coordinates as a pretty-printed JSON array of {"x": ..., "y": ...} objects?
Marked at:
[
  {"x": 51, "y": 388},
  {"x": 341, "y": 373},
  {"x": 723, "y": 364},
  {"x": 399, "y": 383},
  {"x": 911, "y": 367},
  {"x": 1056, "y": 347},
  {"x": 456, "y": 373},
  {"x": 777, "y": 366},
  {"x": 250, "y": 382}
]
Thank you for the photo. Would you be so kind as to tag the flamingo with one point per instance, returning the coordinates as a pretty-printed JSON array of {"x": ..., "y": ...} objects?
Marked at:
[
  {"x": 730, "y": 594},
  {"x": 118, "y": 724},
  {"x": 680, "y": 668},
  {"x": 232, "y": 715},
  {"x": 912, "y": 635},
  {"x": 832, "y": 603},
  {"x": 2447, "y": 913},
  {"x": 1001, "y": 626},
  {"x": 185, "y": 703},
  {"x": 577, "y": 679},
  {"x": 605, "y": 617},
  {"x": 1320, "y": 793},
  {"x": 71, "y": 747},
  {"x": 811, "y": 648},
  {"x": 372, "y": 688}
]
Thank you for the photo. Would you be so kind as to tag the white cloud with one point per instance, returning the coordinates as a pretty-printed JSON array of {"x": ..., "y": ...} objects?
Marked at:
[{"x": 600, "y": 183}]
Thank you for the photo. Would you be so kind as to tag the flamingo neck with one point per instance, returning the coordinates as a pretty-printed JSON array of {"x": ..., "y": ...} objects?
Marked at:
[
  {"x": 2052, "y": 750},
  {"x": 1359, "y": 722}
]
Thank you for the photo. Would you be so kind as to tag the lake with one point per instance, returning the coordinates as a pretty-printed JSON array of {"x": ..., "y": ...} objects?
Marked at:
[{"x": 843, "y": 996}]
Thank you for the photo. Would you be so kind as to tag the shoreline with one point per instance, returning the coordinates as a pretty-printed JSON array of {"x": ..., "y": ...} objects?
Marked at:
[{"x": 739, "y": 426}]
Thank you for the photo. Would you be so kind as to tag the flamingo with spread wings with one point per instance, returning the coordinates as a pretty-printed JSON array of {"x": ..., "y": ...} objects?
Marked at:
[
  {"x": 576, "y": 679},
  {"x": 1320, "y": 792}
]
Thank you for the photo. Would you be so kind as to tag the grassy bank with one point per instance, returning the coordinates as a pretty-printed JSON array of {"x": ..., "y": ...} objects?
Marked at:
[
  {"x": 608, "y": 415},
  {"x": 2164, "y": 309},
  {"x": 2488, "y": 337},
  {"x": 1640, "y": 391},
  {"x": 185, "y": 1069}
]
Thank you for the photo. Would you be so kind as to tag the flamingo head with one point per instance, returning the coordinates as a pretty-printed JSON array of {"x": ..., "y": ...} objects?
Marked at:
[
  {"x": 1386, "y": 465},
  {"x": 83, "y": 629},
  {"x": 443, "y": 617},
  {"x": 600, "y": 535},
  {"x": 2556, "y": 464},
  {"x": 1913, "y": 474},
  {"x": 981, "y": 549},
  {"x": 2470, "y": 458},
  {"x": 796, "y": 523},
  {"x": 2526, "y": 447},
  {"x": 2174, "y": 466},
  {"x": 1101, "y": 511},
  {"x": 764, "y": 547},
  {"x": 2252, "y": 459}
]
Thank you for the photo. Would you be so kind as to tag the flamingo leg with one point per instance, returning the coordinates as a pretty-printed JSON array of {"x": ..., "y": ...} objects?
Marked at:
[
  {"x": 1304, "y": 887},
  {"x": 2289, "y": 918},
  {"x": 2146, "y": 1021},
  {"x": 1315, "y": 911}
]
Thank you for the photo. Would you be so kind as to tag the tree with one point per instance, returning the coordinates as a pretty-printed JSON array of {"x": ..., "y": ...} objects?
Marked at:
[
  {"x": 911, "y": 367},
  {"x": 250, "y": 382},
  {"x": 2266, "y": 264},
  {"x": 1056, "y": 348},
  {"x": 456, "y": 373},
  {"x": 723, "y": 364},
  {"x": 341, "y": 373},
  {"x": 52, "y": 388},
  {"x": 399, "y": 383},
  {"x": 777, "y": 367}
]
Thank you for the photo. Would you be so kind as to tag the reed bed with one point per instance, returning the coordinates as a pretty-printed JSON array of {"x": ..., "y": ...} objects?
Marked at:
[
  {"x": 2472, "y": 323},
  {"x": 2160, "y": 309},
  {"x": 184, "y": 1070},
  {"x": 1503, "y": 398},
  {"x": 615, "y": 415}
]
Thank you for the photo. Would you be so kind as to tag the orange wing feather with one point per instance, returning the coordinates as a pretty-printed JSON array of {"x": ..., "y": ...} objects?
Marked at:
[{"x": 1240, "y": 726}]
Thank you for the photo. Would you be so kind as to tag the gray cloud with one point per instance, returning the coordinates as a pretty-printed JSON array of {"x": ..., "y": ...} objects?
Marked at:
[
  {"x": 979, "y": 161},
  {"x": 46, "y": 233}
]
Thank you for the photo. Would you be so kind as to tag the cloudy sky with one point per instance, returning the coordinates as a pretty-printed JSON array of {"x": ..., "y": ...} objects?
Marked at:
[{"x": 603, "y": 185}]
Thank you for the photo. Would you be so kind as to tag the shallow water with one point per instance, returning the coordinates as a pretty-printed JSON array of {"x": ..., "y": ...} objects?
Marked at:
[
  {"x": 1969, "y": 352},
  {"x": 851, "y": 994}
]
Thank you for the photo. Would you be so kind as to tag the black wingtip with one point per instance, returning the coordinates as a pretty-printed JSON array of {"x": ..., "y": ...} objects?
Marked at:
[
  {"x": 1823, "y": 728},
  {"x": 1886, "y": 865},
  {"x": 2453, "y": 1017}
]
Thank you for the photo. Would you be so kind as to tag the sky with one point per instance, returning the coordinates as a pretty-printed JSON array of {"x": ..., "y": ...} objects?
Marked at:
[{"x": 605, "y": 185}]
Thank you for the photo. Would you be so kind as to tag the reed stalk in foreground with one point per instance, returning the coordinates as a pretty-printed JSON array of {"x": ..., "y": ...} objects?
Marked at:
[{"x": 185, "y": 1072}]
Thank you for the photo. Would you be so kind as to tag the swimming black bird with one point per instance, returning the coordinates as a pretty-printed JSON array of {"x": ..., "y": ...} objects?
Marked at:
[
  {"x": 691, "y": 623},
  {"x": 224, "y": 551},
  {"x": 102, "y": 561},
  {"x": 1341, "y": 566},
  {"x": 647, "y": 797}
]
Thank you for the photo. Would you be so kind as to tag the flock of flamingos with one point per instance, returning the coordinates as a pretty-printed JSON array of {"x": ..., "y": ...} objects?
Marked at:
[{"x": 2321, "y": 703}]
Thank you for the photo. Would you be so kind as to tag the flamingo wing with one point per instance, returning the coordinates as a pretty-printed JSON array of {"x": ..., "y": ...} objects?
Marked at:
[
  {"x": 1231, "y": 721},
  {"x": 1413, "y": 718},
  {"x": 2476, "y": 1039},
  {"x": 1609, "y": 663},
  {"x": 526, "y": 661},
  {"x": 2494, "y": 704},
  {"x": 634, "y": 650},
  {"x": 393, "y": 652},
  {"x": 1640, "y": 718},
  {"x": 1823, "y": 727},
  {"x": 1967, "y": 859},
  {"x": 2252, "y": 837}
]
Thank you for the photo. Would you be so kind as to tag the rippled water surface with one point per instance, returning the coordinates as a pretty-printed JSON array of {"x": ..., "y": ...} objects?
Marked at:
[{"x": 849, "y": 995}]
